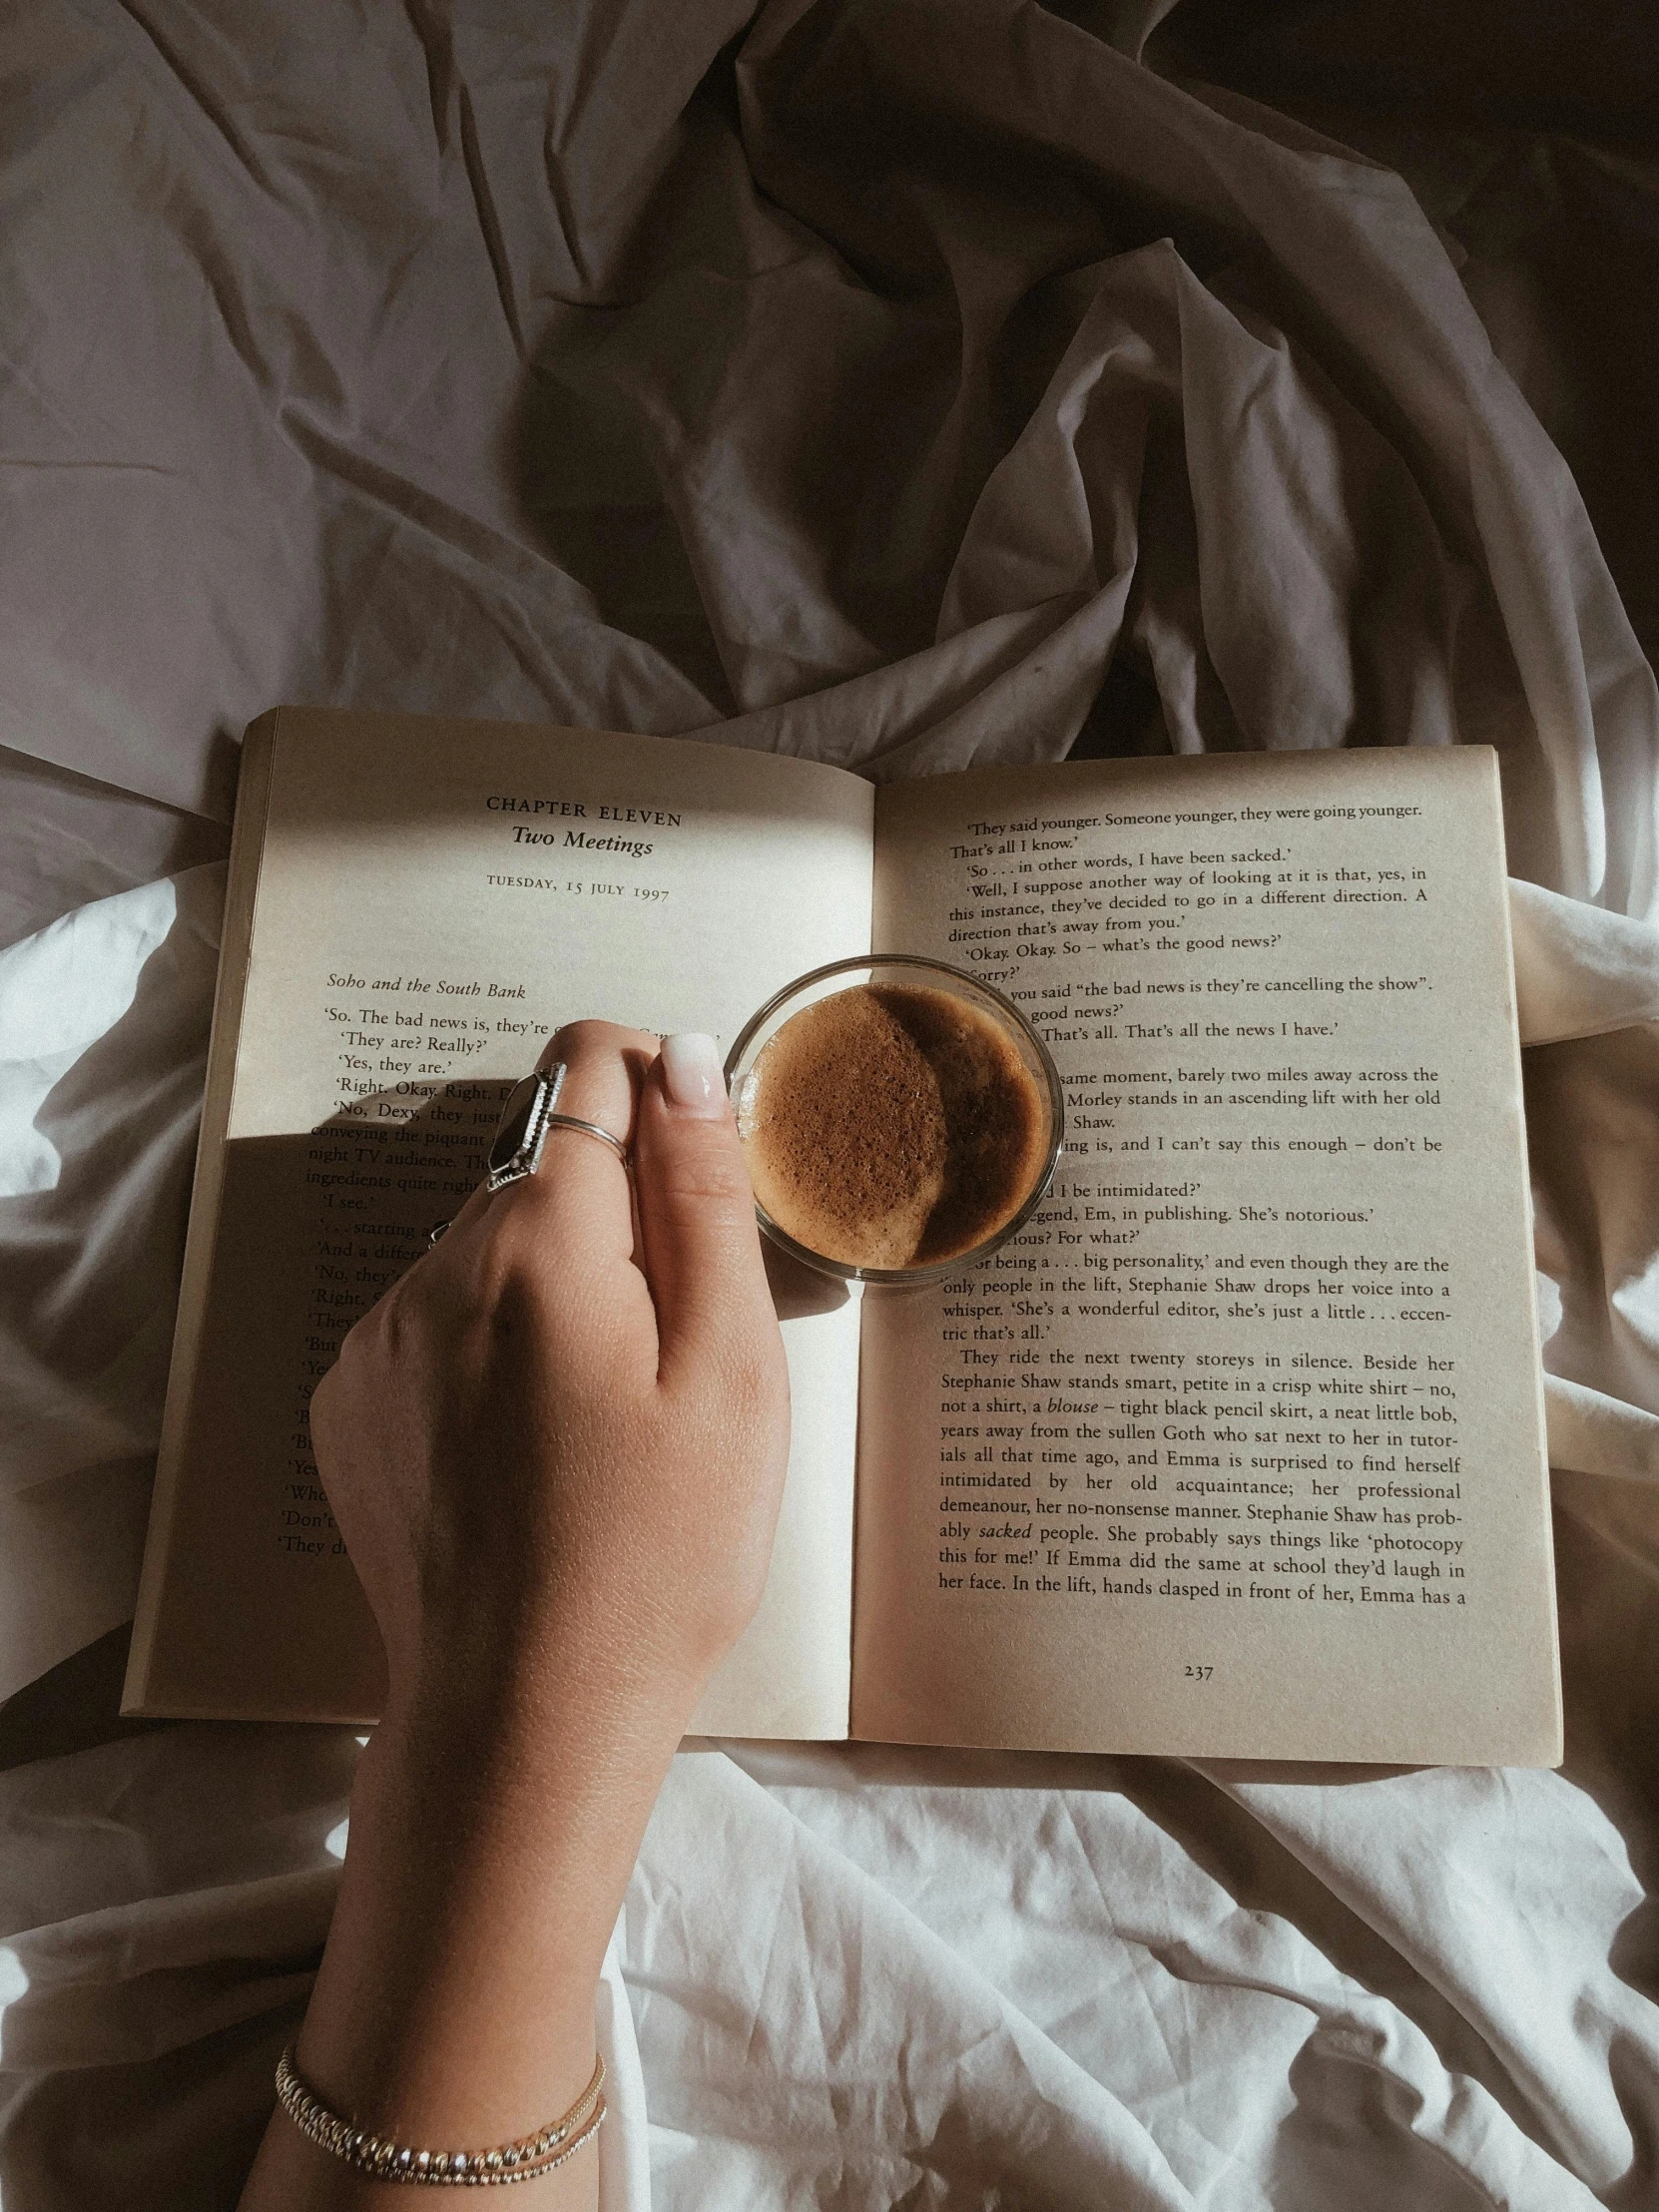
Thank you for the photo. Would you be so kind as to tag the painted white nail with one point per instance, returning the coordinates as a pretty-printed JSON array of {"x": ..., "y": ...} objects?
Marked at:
[{"x": 691, "y": 1073}]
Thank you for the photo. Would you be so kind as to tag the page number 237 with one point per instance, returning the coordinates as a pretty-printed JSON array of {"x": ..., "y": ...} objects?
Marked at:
[{"x": 1198, "y": 1674}]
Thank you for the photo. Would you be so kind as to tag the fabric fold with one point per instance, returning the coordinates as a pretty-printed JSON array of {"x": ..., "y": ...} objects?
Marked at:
[{"x": 907, "y": 385}]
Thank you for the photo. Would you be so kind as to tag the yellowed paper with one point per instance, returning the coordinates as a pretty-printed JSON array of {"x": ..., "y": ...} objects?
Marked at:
[
  {"x": 432, "y": 899},
  {"x": 1238, "y": 1449}
]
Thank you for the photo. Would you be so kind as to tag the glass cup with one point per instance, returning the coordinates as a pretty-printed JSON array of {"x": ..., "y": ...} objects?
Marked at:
[{"x": 902, "y": 968}]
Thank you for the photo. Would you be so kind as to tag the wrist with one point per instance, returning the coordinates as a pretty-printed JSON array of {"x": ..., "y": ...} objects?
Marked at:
[
  {"x": 454, "y": 2005},
  {"x": 560, "y": 1742},
  {"x": 477, "y": 1801},
  {"x": 496, "y": 1820},
  {"x": 524, "y": 1788},
  {"x": 586, "y": 1720}
]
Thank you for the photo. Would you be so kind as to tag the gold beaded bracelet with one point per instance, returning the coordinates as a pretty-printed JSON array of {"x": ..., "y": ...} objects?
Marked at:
[{"x": 524, "y": 2160}]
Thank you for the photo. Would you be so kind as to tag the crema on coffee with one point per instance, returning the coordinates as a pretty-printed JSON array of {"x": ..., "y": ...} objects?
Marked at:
[{"x": 891, "y": 1126}]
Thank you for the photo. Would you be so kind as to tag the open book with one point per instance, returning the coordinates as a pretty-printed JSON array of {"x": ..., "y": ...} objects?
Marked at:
[{"x": 1236, "y": 1450}]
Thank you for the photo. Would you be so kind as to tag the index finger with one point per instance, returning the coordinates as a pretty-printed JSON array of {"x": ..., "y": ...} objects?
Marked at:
[{"x": 579, "y": 1182}]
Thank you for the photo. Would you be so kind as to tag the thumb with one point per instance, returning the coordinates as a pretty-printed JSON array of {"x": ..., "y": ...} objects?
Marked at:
[{"x": 700, "y": 1246}]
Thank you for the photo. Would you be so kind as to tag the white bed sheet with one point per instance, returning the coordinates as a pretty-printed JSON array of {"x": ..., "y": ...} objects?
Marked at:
[
  {"x": 854, "y": 1976},
  {"x": 842, "y": 1978}
]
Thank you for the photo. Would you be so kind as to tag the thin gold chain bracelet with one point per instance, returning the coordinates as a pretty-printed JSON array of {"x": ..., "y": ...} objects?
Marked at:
[{"x": 383, "y": 2160}]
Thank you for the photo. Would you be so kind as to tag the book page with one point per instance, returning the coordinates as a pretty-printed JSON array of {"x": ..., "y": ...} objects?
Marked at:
[
  {"x": 1238, "y": 1449},
  {"x": 433, "y": 899}
]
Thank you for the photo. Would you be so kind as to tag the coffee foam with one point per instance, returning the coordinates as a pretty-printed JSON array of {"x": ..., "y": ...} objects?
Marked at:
[{"x": 891, "y": 1126}]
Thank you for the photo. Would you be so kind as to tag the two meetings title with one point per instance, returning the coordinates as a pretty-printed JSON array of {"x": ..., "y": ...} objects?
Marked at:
[{"x": 646, "y": 817}]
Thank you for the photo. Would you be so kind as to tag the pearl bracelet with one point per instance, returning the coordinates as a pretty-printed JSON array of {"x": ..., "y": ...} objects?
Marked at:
[{"x": 524, "y": 2160}]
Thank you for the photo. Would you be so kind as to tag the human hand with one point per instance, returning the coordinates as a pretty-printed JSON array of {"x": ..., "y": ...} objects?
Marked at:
[{"x": 555, "y": 1448}]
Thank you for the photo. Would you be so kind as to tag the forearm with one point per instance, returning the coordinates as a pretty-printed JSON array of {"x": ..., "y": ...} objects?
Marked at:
[
  {"x": 555, "y": 1449},
  {"x": 486, "y": 1865}
]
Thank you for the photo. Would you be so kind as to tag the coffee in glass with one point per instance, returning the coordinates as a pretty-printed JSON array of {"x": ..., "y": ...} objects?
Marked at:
[{"x": 900, "y": 1119}]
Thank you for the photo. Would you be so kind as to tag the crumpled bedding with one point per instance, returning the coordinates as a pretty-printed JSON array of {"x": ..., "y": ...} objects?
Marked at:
[{"x": 907, "y": 385}]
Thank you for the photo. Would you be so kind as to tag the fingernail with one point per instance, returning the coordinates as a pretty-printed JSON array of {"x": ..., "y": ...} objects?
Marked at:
[{"x": 691, "y": 1073}]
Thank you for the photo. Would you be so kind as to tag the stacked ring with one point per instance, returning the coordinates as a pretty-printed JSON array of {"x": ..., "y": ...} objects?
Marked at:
[{"x": 521, "y": 1133}]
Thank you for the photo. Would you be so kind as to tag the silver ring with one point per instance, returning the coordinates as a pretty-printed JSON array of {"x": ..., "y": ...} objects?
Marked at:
[
  {"x": 526, "y": 1117},
  {"x": 590, "y": 1129}
]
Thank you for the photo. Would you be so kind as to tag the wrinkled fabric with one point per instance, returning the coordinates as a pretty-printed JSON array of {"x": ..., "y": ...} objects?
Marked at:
[
  {"x": 104, "y": 1021},
  {"x": 152, "y": 1973},
  {"x": 907, "y": 385}
]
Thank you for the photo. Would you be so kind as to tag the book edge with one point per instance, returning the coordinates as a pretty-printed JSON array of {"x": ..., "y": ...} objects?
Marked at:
[
  {"x": 241, "y": 899},
  {"x": 767, "y": 763},
  {"x": 1555, "y": 1720}
]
